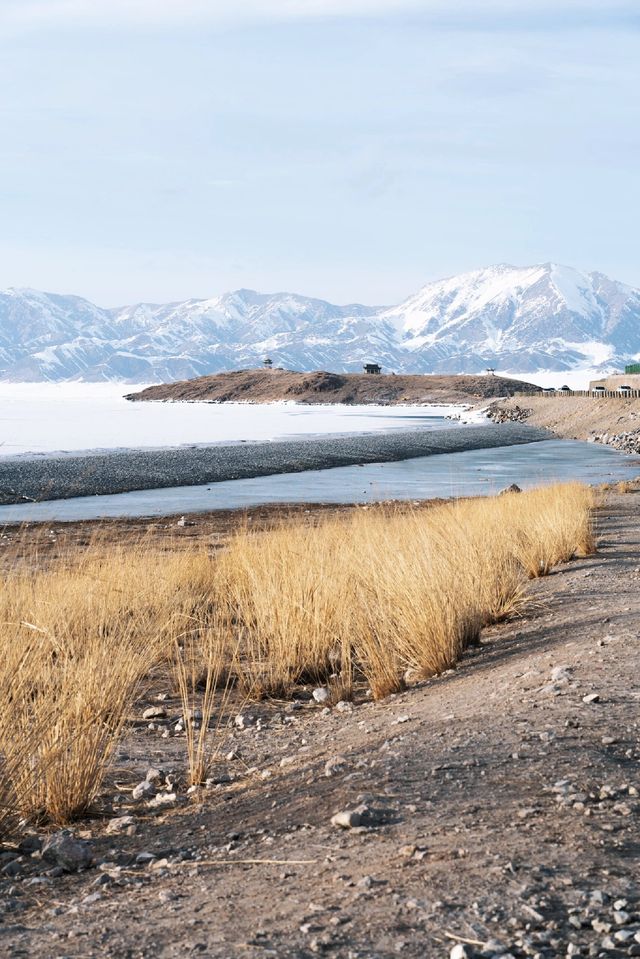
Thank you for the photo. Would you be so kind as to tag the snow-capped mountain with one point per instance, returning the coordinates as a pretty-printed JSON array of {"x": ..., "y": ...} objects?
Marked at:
[{"x": 514, "y": 319}]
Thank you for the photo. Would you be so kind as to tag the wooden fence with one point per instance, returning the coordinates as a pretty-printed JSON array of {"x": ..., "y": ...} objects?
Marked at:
[{"x": 592, "y": 394}]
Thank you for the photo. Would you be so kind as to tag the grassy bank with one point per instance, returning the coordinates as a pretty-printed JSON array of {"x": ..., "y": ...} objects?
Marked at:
[{"x": 370, "y": 600}]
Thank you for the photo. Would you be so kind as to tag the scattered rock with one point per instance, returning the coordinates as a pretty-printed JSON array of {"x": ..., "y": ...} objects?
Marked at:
[
  {"x": 347, "y": 819},
  {"x": 244, "y": 720},
  {"x": 144, "y": 790},
  {"x": 321, "y": 694},
  {"x": 561, "y": 674},
  {"x": 335, "y": 765},
  {"x": 591, "y": 698},
  {"x": 154, "y": 775},
  {"x": 362, "y": 815},
  {"x": 514, "y": 488},
  {"x": 161, "y": 800},
  {"x": 344, "y": 707},
  {"x": 122, "y": 824},
  {"x": 155, "y": 712},
  {"x": 460, "y": 951},
  {"x": 67, "y": 852}
]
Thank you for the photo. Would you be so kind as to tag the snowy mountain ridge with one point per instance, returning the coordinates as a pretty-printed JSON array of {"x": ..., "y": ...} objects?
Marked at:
[{"x": 544, "y": 317}]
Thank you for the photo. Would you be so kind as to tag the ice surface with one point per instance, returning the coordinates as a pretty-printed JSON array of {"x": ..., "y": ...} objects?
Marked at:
[{"x": 51, "y": 417}]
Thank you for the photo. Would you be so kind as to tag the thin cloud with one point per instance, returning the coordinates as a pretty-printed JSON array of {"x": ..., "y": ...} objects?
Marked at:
[{"x": 34, "y": 13}]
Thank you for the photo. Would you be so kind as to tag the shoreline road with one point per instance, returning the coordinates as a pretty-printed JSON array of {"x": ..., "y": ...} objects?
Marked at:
[{"x": 61, "y": 476}]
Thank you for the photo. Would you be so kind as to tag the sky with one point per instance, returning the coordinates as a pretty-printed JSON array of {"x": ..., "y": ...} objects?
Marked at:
[{"x": 347, "y": 149}]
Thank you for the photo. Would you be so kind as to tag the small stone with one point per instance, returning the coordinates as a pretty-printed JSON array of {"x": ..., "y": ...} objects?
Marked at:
[
  {"x": 144, "y": 790},
  {"x": 335, "y": 765},
  {"x": 561, "y": 674},
  {"x": 161, "y": 800},
  {"x": 29, "y": 845},
  {"x": 191, "y": 716},
  {"x": 460, "y": 951},
  {"x": 67, "y": 852},
  {"x": 621, "y": 918},
  {"x": 623, "y": 935},
  {"x": 103, "y": 880},
  {"x": 154, "y": 775},
  {"x": 344, "y": 707},
  {"x": 494, "y": 948},
  {"x": 347, "y": 819},
  {"x": 144, "y": 858},
  {"x": 91, "y": 898},
  {"x": 321, "y": 694},
  {"x": 408, "y": 851},
  {"x": 591, "y": 698},
  {"x": 244, "y": 720},
  {"x": 155, "y": 712},
  {"x": 122, "y": 824}
]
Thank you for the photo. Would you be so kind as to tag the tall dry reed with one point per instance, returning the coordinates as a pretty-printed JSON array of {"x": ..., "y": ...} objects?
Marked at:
[{"x": 373, "y": 596}]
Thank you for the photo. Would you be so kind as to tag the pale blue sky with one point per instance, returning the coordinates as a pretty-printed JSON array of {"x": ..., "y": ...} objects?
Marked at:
[{"x": 348, "y": 149}]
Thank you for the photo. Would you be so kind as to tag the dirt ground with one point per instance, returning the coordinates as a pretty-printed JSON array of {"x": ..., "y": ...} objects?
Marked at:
[
  {"x": 501, "y": 809},
  {"x": 48, "y": 542},
  {"x": 579, "y": 417}
]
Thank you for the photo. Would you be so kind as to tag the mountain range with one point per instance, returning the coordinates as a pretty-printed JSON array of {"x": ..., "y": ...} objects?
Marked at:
[{"x": 518, "y": 320}]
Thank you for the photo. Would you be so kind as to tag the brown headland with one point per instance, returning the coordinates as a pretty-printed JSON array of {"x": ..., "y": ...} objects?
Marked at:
[{"x": 272, "y": 385}]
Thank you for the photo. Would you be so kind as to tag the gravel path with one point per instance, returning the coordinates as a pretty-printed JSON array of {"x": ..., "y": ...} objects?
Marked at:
[{"x": 24, "y": 479}]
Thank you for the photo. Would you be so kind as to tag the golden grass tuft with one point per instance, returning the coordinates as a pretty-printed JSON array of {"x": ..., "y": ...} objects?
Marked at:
[{"x": 370, "y": 597}]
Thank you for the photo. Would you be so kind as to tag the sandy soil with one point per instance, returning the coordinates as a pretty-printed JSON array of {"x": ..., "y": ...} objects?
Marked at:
[
  {"x": 579, "y": 418},
  {"x": 504, "y": 809},
  {"x": 265, "y": 386}
]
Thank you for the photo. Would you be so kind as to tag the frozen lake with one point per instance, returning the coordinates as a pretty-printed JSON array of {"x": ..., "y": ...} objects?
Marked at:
[
  {"x": 66, "y": 417},
  {"x": 474, "y": 472}
]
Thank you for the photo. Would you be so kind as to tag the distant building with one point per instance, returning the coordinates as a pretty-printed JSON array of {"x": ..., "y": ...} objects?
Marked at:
[
  {"x": 372, "y": 368},
  {"x": 611, "y": 382},
  {"x": 632, "y": 368}
]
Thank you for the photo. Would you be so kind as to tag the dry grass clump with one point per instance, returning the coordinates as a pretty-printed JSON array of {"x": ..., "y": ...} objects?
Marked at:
[
  {"x": 384, "y": 592},
  {"x": 621, "y": 486},
  {"x": 76, "y": 640},
  {"x": 202, "y": 669},
  {"x": 373, "y": 597}
]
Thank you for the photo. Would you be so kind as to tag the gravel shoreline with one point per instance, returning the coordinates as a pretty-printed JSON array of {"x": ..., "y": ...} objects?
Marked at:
[{"x": 33, "y": 479}]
